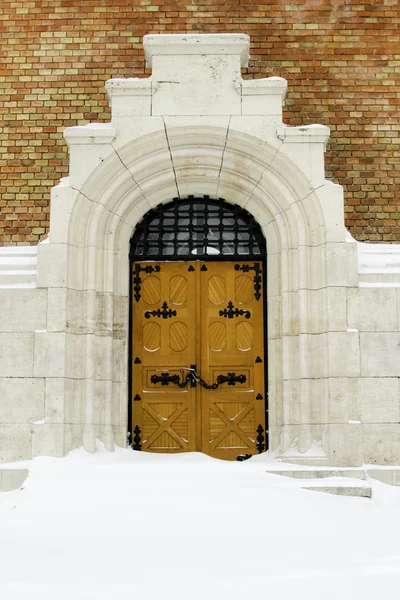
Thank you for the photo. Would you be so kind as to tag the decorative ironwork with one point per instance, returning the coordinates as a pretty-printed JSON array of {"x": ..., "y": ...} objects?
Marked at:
[
  {"x": 203, "y": 268},
  {"x": 231, "y": 379},
  {"x": 165, "y": 379},
  {"x": 137, "y": 440},
  {"x": 194, "y": 378},
  {"x": 258, "y": 359},
  {"x": 137, "y": 398},
  {"x": 137, "y": 361},
  {"x": 137, "y": 280},
  {"x": 191, "y": 375},
  {"x": 259, "y": 397},
  {"x": 191, "y": 269},
  {"x": 231, "y": 312},
  {"x": 165, "y": 313},
  {"x": 242, "y": 457},
  {"x": 198, "y": 228},
  {"x": 257, "y": 277},
  {"x": 260, "y": 439}
]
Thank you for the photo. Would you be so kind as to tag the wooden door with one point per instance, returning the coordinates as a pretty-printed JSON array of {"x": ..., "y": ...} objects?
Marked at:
[
  {"x": 232, "y": 342},
  {"x": 207, "y": 317}
]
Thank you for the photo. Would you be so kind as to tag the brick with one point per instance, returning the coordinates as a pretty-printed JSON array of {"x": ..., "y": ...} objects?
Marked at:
[{"x": 339, "y": 60}]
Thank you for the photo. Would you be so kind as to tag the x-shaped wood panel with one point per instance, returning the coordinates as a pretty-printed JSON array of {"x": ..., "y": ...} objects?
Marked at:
[
  {"x": 231, "y": 425},
  {"x": 165, "y": 425}
]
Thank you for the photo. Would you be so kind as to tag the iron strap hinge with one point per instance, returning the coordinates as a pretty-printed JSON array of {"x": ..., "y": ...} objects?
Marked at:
[
  {"x": 256, "y": 279},
  {"x": 137, "y": 280}
]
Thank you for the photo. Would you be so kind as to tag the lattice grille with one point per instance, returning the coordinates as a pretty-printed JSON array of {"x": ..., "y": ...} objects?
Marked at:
[{"x": 197, "y": 228}]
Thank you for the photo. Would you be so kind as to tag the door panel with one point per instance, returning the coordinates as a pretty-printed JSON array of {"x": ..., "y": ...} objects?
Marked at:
[
  {"x": 164, "y": 313},
  {"x": 209, "y": 315},
  {"x": 232, "y": 337}
]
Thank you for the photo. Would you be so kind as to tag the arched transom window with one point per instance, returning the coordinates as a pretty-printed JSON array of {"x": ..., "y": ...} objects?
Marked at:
[{"x": 197, "y": 228}]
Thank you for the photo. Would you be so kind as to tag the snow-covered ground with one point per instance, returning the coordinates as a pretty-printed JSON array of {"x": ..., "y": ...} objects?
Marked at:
[{"x": 131, "y": 525}]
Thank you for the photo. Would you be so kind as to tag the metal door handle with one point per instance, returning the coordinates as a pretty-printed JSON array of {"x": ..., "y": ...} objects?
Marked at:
[
  {"x": 165, "y": 379},
  {"x": 231, "y": 379},
  {"x": 193, "y": 378}
]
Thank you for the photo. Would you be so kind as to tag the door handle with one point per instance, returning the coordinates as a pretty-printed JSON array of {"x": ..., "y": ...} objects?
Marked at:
[
  {"x": 231, "y": 379},
  {"x": 193, "y": 378},
  {"x": 165, "y": 379}
]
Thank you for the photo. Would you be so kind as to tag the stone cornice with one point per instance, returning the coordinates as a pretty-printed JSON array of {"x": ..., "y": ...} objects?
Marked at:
[{"x": 193, "y": 44}]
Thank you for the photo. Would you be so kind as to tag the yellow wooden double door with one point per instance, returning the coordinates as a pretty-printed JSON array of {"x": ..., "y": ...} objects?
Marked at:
[{"x": 198, "y": 358}]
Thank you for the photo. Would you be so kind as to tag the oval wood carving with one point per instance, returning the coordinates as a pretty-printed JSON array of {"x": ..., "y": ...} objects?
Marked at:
[
  {"x": 244, "y": 336},
  {"x": 217, "y": 336},
  {"x": 151, "y": 290},
  {"x": 178, "y": 290},
  {"x": 152, "y": 337},
  {"x": 216, "y": 289},
  {"x": 178, "y": 339},
  {"x": 244, "y": 289}
]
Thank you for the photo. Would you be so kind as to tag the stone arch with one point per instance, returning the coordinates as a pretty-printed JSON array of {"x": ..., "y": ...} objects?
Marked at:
[
  {"x": 104, "y": 209},
  {"x": 245, "y": 171}
]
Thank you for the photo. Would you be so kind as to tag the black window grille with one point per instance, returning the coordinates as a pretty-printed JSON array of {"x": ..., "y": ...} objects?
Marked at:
[{"x": 197, "y": 229}]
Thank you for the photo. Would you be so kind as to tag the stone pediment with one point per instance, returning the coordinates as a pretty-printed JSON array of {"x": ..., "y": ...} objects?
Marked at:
[{"x": 196, "y": 75}]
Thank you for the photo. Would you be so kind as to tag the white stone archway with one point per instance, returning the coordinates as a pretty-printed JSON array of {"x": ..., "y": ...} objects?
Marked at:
[
  {"x": 193, "y": 128},
  {"x": 196, "y": 127},
  {"x": 94, "y": 213}
]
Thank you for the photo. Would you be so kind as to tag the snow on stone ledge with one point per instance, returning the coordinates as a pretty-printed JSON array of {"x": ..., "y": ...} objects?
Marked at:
[
  {"x": 378, "y": 258},
  {"x": 378, "y": 265},
  {"x": 18, "y": 267}
]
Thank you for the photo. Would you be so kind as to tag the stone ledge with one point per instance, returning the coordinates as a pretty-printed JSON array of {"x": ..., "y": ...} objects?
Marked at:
[
  {"x": 192, "y": 44},
  {"x": 378, "y": 265},
  {"x": 131, "y": 86},
  {"x": 269, "y": 86},
  {"x": 93, "y": 133},
  {"x": 342, "y": 490},
  {"x": 304, "y": 133},
  {"x": 18, "y": 267},
  {"x": 320, "y": 473}
]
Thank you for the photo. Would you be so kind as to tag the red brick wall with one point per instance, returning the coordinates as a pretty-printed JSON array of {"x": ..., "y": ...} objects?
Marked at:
[{"x": 341, "y": 59}]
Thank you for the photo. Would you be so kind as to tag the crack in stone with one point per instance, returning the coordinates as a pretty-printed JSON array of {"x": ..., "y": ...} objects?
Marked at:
[
  {"x": 95, "y": 202},
  {"x": 223, "y": 153},
  {"x": 262, "y": 174},
  {"x": 111, "y": 212},
  {"x": 172, "y": 160},
  {"x": 282, "y": 212},
  {"x": 312, "y": 191},
  {"x": 130, "y": 173}
]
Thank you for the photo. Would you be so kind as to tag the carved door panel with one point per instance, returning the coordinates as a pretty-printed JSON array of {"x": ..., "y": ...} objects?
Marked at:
[
  {"x": 232, "y": 346},
  {"x": 207, "y": 316},
  {"x": 164, "y": 312}
]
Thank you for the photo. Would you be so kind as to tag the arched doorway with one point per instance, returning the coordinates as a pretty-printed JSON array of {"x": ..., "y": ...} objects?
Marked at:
[{"x": 198, "y": 331}]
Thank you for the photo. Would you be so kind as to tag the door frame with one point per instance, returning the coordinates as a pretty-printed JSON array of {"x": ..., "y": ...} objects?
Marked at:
[{"x": 218, "y": 258}]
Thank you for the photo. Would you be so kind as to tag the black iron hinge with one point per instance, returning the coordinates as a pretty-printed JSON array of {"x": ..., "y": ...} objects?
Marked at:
[
  {"x": 137, "y": 280},
  {"x": 260, "y": 439},
  {"x": 256, "y": 279},
  {"x": 137, "y": 440}
]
